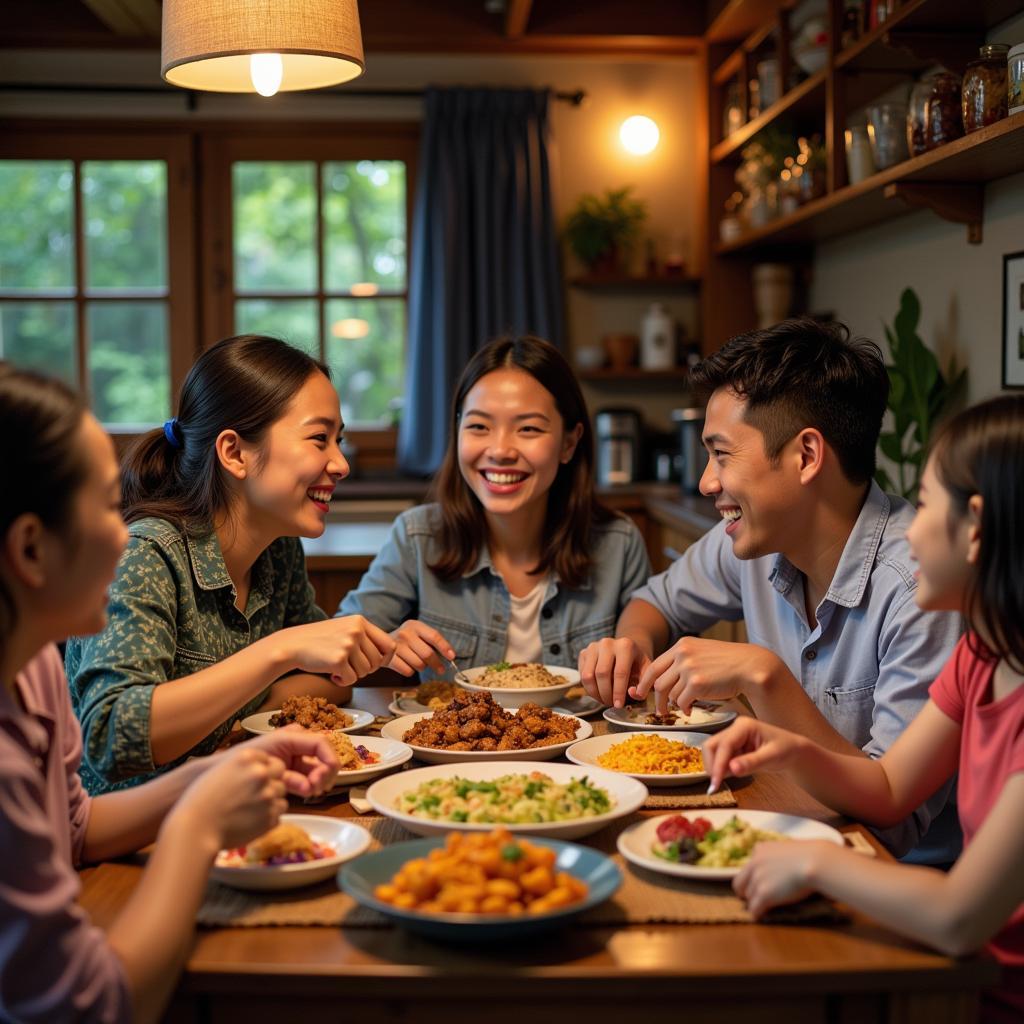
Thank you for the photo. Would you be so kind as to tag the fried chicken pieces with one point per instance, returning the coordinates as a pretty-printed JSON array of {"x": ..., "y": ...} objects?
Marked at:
[
  {"x": 313, "y": 713},
  {"x": 474, "y": 721}
]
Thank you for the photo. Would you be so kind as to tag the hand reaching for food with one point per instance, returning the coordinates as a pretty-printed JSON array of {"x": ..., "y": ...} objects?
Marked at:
[
  {"x": 345, "y": 648},
  {"x": 419, "y": 646}
]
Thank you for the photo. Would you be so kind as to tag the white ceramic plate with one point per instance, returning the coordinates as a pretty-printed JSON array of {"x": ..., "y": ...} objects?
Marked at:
[
  {"x": 635, "y": 842},
  {"x": 261, "y": 723},
  {"x": 398, "y": 727},
  {"x": 348, "y": 840},
  {"x": 701, "y": 718},
  {"x": 628, "y": 795},
  {"x": 545, "y": 696},
  {"x": 586, "y": 752},
  {"x": 392, "y": 755}
]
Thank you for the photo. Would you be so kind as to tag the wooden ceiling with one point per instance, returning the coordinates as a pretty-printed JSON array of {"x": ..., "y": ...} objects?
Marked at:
[{"x": 412, "y": 26}]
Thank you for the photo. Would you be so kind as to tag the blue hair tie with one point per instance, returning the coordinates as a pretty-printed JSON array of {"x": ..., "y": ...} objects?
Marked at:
[{"x": 171, "y": 433}]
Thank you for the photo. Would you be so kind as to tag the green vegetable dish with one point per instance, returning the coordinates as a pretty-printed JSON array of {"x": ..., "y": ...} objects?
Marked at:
[{"x": 508, "y": 800}]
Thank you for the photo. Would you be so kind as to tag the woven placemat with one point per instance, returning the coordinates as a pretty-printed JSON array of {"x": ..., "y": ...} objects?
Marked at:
[
  {"x": 676, "y": 798},
  {"x": 646, "y": 897}
]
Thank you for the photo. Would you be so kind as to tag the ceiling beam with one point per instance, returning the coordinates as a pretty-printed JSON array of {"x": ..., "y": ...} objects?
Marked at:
[
  {"x": 128, "y": 17},
  {"x": 517, "y": 14}
]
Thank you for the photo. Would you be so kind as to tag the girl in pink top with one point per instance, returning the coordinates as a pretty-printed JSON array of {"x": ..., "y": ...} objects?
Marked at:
[
  {"x": 968, "y": 541},
  {"x": 61, "y": 535}
]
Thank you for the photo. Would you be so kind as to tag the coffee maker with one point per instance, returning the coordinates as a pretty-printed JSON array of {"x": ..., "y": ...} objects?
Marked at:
[{"x": 618, "y": 446}]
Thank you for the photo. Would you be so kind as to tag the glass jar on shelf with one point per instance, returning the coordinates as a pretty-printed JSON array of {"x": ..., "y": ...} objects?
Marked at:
[
  {"x": 852, "y": 25},
  {"x": 943, "y": 118},
  {"x": 887, "y": 130},
  {"x": 1015, "y": 77},
  {"x": 915, "y": 117},
  {"x": 732, "y": 111},
  {"x": 984, "y": 88},
  {"x": 860, "y": 164},
  {"x": 769, "y": 81},
  {"x": 809, "y": 171}
]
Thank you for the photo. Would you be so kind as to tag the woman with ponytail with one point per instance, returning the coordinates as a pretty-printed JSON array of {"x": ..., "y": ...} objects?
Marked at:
[
  {"x": 516, "y": 560},
  {"x": 211, "y": 605}
]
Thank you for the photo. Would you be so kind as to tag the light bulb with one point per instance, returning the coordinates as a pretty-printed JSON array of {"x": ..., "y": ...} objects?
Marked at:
[
  {"x": 639, "y": 134},
  {"x": 266, "y": 72}
]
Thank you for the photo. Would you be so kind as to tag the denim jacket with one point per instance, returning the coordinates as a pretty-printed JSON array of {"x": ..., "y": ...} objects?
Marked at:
[{"x": 472, "y": 613}]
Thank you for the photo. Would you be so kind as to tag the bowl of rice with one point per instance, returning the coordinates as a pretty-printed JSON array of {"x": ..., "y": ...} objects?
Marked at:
[{"x": 517, "y": 684}]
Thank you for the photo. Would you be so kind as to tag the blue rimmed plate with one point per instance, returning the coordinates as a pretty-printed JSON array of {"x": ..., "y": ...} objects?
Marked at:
[{"x": 361, "y": 876}]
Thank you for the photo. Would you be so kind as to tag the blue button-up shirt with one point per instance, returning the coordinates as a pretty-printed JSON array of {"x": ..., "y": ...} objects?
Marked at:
[
  {"x": 472, "y": 612},
  {"x": 867, "y": 663}
]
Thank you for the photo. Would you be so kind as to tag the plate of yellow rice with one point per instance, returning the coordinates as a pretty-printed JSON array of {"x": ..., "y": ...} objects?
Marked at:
[{"x": 654, "y": 758}]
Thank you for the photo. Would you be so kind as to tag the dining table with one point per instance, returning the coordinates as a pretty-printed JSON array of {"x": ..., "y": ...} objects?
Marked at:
[{"x": 841, "y": 969}]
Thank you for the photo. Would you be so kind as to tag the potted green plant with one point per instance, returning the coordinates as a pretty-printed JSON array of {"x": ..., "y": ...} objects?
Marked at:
[
  {"x": 599, "y": 229},
  {"x": 919, "y": 394}
]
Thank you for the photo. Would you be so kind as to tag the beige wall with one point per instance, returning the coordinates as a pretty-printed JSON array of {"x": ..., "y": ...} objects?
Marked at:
[{"x": 589, "y": 155}]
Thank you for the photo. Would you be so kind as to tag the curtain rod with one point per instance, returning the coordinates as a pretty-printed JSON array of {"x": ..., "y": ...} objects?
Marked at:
[{"x": 192, "y": 97}]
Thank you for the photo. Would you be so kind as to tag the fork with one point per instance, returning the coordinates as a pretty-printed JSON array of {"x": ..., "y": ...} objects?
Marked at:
[{"x": 460, "y": 676}]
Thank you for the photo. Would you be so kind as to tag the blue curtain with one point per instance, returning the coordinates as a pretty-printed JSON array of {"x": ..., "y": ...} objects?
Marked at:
[{"x": 484, "y": 250}]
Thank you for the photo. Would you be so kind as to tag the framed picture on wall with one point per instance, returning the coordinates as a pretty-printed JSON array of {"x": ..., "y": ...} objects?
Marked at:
[{"x": 1013, "y": 320}]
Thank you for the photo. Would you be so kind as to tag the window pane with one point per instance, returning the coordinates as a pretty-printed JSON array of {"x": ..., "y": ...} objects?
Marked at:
[
  {"x": 274, "y": 226},
  {"x": 365, "y": 350},
  {"x": 364, "y": 224},
  {"x": 37, "y": 216},
  {"x": 124, "y": 213},
  {"x": 294, "y": 320},
  {"x": 40, "y": 336},
  {"x": 129, "y": 365}
]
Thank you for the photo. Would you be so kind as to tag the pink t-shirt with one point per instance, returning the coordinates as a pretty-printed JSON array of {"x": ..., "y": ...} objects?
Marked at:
[
  {"x": 991, "y": 750},
  {"x": 54, "y": 964}
]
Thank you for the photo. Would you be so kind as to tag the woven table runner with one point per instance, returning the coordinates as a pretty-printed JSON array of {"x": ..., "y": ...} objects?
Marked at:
[{"x": 645, "y": 897}]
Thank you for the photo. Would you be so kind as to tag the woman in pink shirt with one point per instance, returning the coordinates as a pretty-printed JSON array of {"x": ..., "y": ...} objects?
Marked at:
[
  {"x": 61, "y": 535},
  {"x": 968, "y": 541}
]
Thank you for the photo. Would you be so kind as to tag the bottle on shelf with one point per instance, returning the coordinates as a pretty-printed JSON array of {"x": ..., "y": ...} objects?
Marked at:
[{"x": 657, "y": 339}]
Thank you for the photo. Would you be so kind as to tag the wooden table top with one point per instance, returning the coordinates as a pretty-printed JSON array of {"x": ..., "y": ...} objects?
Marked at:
[{"x": 714, "y": 960}]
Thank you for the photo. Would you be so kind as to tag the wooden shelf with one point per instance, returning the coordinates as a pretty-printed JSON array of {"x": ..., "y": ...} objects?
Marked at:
[
  {"x": 738, "y": 18},
  {"x": 993, "y": 152},
  {"x": 610, "y": 375},
  {"x": 807, "y": 99},
  {"x": 627, "y": 283},
  {"x": 922, "y": 33},
  {"x": 733, "y": 64}
]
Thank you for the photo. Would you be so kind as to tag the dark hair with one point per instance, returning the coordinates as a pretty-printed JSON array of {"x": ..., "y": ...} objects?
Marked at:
[
  {"x": 41, "y": 460},
  {"x": 981, "y": 451},
  {"x": 244, "y": 384},
  {"x": 802, "y": 373},
  {"x": 573, "y": 508}
]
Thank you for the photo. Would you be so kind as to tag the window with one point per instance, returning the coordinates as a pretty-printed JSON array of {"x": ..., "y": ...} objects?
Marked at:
[
  {"x": 116, "y": 269},
  {"x": 315, "y": 252},
  {"x": 85, "y": 269}
]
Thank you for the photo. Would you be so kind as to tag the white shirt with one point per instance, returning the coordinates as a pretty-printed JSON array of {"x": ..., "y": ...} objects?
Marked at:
[{"x": 524, "y": 643}]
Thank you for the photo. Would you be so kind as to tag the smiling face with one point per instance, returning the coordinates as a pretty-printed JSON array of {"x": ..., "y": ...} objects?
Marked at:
[
  {"x": 755, "y": 495},
  {"x": 294, "y": 470},
  {"x": 511, "y": 441},
  {"x": 88, "y": 550},
  {"x": 944, "y": 546}
]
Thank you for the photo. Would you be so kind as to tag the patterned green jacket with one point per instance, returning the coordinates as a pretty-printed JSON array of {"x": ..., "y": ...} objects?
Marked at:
[{"x": 172, "y": 614}]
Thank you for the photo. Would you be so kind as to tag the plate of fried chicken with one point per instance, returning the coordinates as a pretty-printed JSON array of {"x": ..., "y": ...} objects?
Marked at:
[{"x": 473, "y": 727}]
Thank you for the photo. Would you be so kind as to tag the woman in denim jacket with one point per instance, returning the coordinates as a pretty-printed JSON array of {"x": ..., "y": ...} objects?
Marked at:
[{"x": 515, "y": 560}]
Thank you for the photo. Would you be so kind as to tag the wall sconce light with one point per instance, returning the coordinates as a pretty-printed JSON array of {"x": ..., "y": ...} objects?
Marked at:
[
  {"x": 264, "y": 46},
  {"x": 639, "y": 134}
]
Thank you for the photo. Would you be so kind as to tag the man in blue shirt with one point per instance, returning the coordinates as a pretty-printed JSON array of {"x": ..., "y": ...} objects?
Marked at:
[{"x": 811, "y": 553}]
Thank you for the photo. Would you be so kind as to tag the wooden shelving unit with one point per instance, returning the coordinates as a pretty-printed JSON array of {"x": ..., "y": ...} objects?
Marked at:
[
  {"x": 949, "y": 180},
  {"x": 633, "y": 375}
]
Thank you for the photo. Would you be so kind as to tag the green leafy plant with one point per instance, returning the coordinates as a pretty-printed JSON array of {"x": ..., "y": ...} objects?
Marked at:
[
  {"x": 919, "y": 394},
  {"x": 599, "y": 228}
]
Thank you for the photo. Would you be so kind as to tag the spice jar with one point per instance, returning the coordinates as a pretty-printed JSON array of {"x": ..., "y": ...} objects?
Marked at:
[
  {"x": 732, "y": 114},
  {"x": 887, "y": 131},
  {"x": 1015, "y": 79},
  {"x": 915, "y": 117},
  {"x": 984, "y": 89},
  {"x": 943, "y": 119},
  {"x": 860, "y": 164}
]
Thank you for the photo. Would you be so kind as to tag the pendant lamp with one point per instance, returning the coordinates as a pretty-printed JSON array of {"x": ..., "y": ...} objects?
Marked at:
[{"x": 260, "y": 45}]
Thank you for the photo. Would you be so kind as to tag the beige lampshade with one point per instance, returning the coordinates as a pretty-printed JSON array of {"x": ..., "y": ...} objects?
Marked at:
[{"x": 206, "y": 44}]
